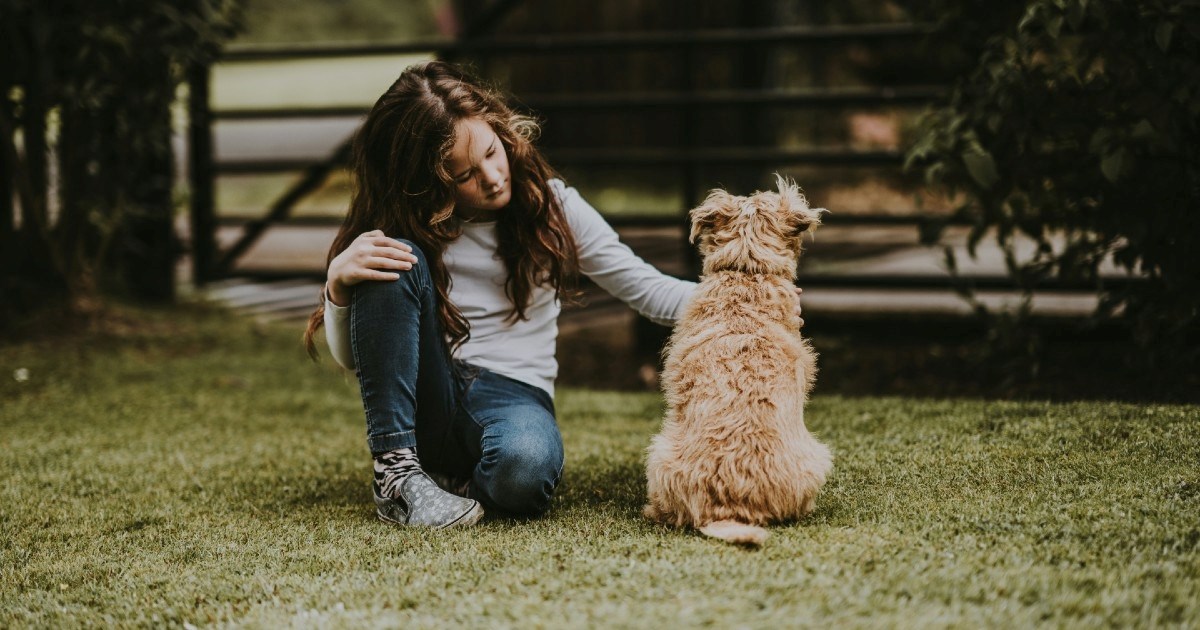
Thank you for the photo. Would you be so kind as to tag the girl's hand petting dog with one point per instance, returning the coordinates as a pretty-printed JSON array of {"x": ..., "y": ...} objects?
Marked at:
[
  {"x": 798, "y": 292},
  {"x": 372, "y": 256}
]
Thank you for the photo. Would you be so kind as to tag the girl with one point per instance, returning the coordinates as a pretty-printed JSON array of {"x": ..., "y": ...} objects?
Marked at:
[{"x": 443, "y": 292}]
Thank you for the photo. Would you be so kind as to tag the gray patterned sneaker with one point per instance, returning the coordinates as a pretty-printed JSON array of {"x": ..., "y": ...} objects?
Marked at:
[{"x": 416, "y": 500}]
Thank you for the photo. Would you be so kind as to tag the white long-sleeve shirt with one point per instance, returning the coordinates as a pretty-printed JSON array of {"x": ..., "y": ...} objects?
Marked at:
[{"x": 524, "y": 349}]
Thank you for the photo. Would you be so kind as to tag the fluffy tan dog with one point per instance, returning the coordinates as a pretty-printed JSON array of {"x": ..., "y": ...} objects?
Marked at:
[{"x": 733, "y": 453}]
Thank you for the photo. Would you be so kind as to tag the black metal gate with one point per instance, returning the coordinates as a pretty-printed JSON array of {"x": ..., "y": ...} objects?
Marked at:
[{"x": 686, "y": 158}]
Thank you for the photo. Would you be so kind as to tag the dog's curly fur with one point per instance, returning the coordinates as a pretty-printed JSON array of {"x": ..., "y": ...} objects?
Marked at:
[{"x": 734, "y": 453}]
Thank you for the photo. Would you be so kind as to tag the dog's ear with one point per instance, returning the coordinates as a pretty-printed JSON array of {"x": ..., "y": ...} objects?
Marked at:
[
  {"x": 795, "y": 206},
  {"x": 706, "y": 216}
]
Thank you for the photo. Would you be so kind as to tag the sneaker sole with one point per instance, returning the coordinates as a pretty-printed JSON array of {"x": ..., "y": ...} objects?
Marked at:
[{"x": 468, "y": 518}]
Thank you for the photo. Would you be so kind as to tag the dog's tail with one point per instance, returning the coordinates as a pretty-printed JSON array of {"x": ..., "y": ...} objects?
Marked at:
[{"x": 737, "y": 533}]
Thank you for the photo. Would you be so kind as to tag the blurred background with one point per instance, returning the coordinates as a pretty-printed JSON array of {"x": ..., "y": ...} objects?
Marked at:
[{"x": 1012, "y": 189}]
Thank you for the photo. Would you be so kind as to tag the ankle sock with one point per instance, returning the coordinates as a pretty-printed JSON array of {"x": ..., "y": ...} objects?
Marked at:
[{"x": 393, "y": 467}]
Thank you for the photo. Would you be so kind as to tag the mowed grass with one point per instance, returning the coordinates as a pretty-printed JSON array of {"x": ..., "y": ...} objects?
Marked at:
[{"x": 189, "y": 467}]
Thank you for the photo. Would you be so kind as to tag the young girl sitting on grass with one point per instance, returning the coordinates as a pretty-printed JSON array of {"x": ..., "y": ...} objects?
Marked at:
[{"x": 443, "y": 293}]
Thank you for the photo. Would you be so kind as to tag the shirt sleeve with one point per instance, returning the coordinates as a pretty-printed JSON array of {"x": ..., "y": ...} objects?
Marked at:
[
  {"x": 337, "y": 333},
  {"x": 615, "y": 268}
]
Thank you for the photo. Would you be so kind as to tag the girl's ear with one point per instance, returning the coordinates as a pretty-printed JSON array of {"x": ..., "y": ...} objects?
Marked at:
[{"x": 705, "y": 217}]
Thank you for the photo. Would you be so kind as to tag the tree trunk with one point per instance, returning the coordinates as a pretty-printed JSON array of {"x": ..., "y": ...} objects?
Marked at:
[
  {"x": 74, "y": 232},
  {"x": 7, "y": 172},
  {"x": 35, "y": 276},
  {"x": 146, "y": 247}
]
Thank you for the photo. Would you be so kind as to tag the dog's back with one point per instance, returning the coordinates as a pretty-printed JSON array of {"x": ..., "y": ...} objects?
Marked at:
[{"x": 746, "y": 323}]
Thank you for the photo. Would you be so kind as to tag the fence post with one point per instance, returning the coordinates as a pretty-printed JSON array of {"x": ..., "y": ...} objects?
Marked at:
[
  {"x": 689, "y": 131},
  {"x": 201, "y": 174}
]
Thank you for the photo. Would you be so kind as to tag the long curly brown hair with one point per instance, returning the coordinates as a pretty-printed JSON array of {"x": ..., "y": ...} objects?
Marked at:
[{"x": 403, "y": 187}]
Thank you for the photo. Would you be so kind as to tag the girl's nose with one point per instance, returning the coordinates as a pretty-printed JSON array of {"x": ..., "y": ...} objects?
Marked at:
[{"x": 491, "y": 177}]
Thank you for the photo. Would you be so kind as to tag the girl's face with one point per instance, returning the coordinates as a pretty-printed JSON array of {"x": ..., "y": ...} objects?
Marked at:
[{"x": 479, "y": 165}]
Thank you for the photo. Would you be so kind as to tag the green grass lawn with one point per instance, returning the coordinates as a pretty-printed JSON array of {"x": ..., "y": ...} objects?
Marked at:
[{"x": 187, "y": 467}]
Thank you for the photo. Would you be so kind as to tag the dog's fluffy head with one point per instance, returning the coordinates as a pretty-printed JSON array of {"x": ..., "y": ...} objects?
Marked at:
[{"x": 756, "y": 234}]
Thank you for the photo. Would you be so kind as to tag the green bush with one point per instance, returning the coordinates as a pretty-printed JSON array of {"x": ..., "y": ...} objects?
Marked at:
[{"x": 1076, "y": 124}]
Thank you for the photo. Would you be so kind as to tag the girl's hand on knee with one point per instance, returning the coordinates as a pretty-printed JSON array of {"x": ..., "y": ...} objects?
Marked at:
[{"x": 372, "y": 256}]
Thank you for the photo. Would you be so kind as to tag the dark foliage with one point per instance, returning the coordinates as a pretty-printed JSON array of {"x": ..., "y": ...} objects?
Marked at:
[
  {"x": 1075, "y": 126},
  {"x": 91, "y": 85}
]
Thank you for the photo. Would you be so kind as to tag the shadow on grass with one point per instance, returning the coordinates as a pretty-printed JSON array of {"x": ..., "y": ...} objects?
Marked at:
[
  {"x": 605, "y": 487},
  {"x": 596, "y": 483}
]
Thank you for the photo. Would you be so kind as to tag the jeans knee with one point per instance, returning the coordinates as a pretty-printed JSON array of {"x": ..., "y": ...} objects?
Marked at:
[{"x": 524, "y": 475}]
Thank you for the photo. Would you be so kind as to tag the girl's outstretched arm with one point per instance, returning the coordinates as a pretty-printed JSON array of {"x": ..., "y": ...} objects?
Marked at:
[{"x": 612, "y": 265}]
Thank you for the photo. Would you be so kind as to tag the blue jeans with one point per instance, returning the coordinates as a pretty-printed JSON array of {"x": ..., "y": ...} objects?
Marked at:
[{"x": 464, "y": 420}]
